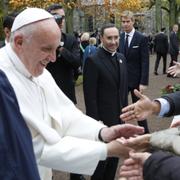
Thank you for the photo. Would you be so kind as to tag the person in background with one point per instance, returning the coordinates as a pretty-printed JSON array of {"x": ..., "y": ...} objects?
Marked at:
[
  {"x": 134, "y": 46},
  {"x": 7, "y": 25},
  {"x": 161, "y": 48},
  {"x": 84, "y": 42},
  {"x": 67, "y": 54},
  {"x": 65, "y": 69},
  {"x": 63, "y": 137},
  {"x": 90, "y": 49},
  {"x": 105, "y": 90},
  {"x": 173, "y": 45}
]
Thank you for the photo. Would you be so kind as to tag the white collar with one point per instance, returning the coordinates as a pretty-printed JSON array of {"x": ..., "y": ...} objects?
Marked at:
[
  {"x": 17, "y": 62},
  {"x": 112, "y": 53},
  {"x": 131, "y": 33}
]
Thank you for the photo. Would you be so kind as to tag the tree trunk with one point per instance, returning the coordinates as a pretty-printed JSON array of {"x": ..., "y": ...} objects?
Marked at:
[
  {"x": 158, "y": 15},
  {"x": 172, "y": 12}
]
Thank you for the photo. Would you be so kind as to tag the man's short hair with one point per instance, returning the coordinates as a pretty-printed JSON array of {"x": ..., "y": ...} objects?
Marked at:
[
  {"x": 54, "y": 7},
  {"x": 163, "y": 29},
  {"x": 9, "y": 19},
  {"x": 109, "y": 25},
  {"x": 128, "y": 14}
]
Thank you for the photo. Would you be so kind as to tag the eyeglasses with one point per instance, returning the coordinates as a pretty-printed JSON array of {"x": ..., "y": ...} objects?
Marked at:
[{"x": 58, "y": 18}]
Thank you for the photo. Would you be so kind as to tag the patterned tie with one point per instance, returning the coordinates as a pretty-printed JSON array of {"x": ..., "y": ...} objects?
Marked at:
[{"x": 126, "y": 45}]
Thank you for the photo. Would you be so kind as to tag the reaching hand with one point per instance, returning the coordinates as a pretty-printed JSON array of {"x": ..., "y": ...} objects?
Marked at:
[
  {"x": 140, "y": 110},
  {"x": 174, "y": 70},
  {"x": 122, "y": 130},
  {"x": 175, "y": 122},
  {"x": 116, "y": 149},
  {"x": 138, "y": 143},
  {"x": 132, "y": 168},
  {"x": 142, "y": 88}
]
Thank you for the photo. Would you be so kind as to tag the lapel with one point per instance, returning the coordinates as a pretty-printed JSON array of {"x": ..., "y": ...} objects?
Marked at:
[
  {"x": 132, "y": 43},
  {"x": 105, "y": 58}
]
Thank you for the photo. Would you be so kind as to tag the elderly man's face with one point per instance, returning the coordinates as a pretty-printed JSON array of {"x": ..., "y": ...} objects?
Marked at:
[
  {"x": 110, "y": 39},
  {"x": 40, "y": 49}
]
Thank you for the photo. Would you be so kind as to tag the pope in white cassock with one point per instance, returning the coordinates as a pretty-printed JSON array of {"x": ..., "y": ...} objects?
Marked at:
[{"x": 63, "y": 137}]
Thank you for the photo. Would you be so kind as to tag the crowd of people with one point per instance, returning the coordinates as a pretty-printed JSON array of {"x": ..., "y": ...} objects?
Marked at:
[{"x": 39, "y": 66}]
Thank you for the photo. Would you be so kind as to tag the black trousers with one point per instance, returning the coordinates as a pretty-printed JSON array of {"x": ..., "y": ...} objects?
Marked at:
[
  {"x": 158, "y": 58},
  {"x": 106, "y": 170},
  {"x": 174, "y": 57},
  {"x": 142, "y": 123}
]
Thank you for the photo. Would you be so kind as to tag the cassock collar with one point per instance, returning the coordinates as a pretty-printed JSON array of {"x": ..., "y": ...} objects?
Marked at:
[
  {"x": 17, "y": 62},
  {"x": 111, "y": 53}
]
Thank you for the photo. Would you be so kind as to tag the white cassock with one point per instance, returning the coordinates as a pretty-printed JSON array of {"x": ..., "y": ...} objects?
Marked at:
[{"x": 63, "y": 137}]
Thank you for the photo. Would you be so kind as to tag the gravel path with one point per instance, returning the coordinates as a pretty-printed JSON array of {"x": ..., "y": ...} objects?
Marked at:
[{"x": 153, "y": 91}]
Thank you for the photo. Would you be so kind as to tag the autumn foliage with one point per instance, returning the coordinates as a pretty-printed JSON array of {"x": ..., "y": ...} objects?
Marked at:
[
  {"x": 110, "y": 5},
  {"x": 19, "y": 4}
]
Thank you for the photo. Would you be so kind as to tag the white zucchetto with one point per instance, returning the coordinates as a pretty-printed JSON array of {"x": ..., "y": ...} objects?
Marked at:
[{"x": 28, "y": 16}]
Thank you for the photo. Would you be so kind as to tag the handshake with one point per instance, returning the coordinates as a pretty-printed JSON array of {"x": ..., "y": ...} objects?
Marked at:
[{"x": 140, "y": 156}]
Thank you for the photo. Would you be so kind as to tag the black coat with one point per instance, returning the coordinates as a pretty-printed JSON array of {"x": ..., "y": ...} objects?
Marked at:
[
  {"x": 104, "y": 94},
  {"x": 137, "y": 59},
  {"x": 161, "y": 43},
  {"x": 67, "y": 62},
  {"x": 174, "y": 44},
  {"x": 16, "y": 149},
  {"x": 162, "y": 166}
]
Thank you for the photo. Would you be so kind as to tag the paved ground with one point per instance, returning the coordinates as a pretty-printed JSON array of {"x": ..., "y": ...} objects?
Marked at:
[{"x": 153, "y": 91}]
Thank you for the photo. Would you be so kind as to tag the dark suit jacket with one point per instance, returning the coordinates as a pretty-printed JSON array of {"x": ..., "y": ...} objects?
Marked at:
[
  {"x": 66, "y": 63},
  {"x": 161, "y": 43},
  {"x": 16, "y": 149},
  {"x": 162, "y": 166},
  {"x": 174, "y": 44},
  {"x": 137, "y": 59},
  {"x": 174, "y": 101},
  {"x": 104, "y": 94}
]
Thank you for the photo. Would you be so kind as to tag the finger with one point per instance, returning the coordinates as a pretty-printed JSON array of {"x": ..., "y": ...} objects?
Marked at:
[
  {"x": 175, "y": 124},
  {"x": 136, "y": 178},
  {"x": 128, "y": 162},
  {"x": 138, "y": 94},
  {"x": 130, "y": 173},
  {"x": 127, "y": 116},
  {"x": 122, "y": 140},
  {"x": 128, "y": 108},
  {"x": 174, "y": 62}
]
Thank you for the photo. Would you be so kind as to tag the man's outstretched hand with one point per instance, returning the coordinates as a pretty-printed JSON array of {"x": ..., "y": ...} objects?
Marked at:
[{"x": 140, "y": 110}]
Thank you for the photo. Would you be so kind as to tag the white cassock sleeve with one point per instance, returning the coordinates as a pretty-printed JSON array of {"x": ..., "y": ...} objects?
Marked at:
[{"x": 78, "y": 149}]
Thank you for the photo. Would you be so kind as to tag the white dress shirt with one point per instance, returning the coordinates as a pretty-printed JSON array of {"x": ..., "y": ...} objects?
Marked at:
[
  {"x": 63, "y": 137},
  {"x": 130, "y": 36}
]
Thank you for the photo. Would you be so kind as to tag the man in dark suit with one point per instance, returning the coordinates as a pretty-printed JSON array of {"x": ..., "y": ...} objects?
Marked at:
[
  {"x": 16, "y": 149},
  {"x": 68, "y": 56},
  {"x": 67, "y": 62},
  {"x": 161, "y": 48},
  {"x": 134, "y": 46},
  {"x": 105, "y": 90},
  {"x": 173, "y": 46}
]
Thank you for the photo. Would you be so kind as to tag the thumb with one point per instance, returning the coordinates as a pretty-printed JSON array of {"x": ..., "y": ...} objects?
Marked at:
[
  {"x": 135, "y": 155},
  {"x": 138, "y": 94},
  {"x": 139, "y": 156}
]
